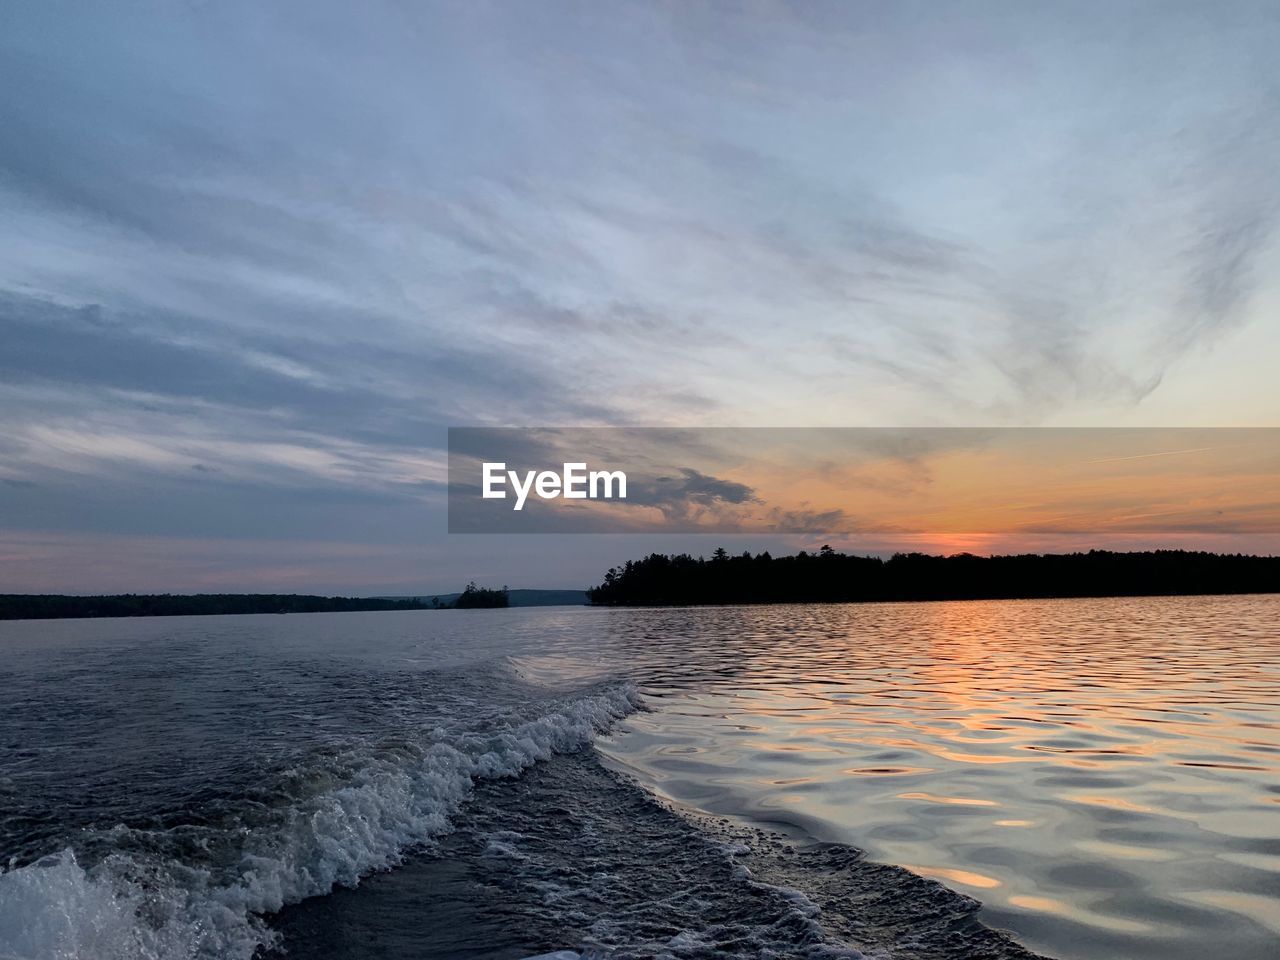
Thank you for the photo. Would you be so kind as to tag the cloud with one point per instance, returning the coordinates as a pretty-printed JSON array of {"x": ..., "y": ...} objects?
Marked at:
[
  {"x": 691, "y": 499},
  {"x": 285, "y": 246},
  {"x": 1221, "y": 277}
]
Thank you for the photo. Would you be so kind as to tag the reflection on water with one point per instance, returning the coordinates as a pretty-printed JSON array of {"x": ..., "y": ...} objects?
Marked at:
[{"x": 1104, "y": 775}]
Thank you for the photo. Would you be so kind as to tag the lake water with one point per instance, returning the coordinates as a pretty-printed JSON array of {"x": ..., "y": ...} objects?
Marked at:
[{"x": 1098, "y": 778}]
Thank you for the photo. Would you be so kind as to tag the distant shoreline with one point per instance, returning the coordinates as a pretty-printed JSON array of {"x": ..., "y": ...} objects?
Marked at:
[
  {"x": 49, "y": 606},
  {"x": 826, "y": 576},
  {"x": 659, "y": 580},
  {"x": 66, "y": 607}
]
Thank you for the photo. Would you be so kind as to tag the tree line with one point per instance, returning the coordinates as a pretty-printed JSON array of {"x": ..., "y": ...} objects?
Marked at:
[
  {"x": 830, "y": 576},
  {"x": 16, "y": 606},
  {"x": 51, "y": 606}
]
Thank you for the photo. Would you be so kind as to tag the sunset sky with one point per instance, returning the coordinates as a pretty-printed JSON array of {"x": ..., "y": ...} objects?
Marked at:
[{"x": 256, "y": 258}]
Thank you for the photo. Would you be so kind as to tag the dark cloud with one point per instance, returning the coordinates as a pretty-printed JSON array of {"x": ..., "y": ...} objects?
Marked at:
[
  {"x": 688, "y": 494},
  {"x": 366, "y": 390}
]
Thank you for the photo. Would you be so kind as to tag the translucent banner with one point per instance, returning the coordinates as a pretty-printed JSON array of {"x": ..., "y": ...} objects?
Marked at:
[{"x": 884, "y": 481}]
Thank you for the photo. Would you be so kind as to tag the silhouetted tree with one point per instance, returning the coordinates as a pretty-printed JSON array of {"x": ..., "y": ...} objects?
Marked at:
[
  {"x": 475, "y": 597},
  {"x": 828, "y": 575}
]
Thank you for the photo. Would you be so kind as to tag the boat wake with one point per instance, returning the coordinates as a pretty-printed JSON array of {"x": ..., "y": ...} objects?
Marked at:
[
  {"x": 573, "y": 857},
  {"x": 201, "y": 887},
  {"x": 401, "y": 815}
]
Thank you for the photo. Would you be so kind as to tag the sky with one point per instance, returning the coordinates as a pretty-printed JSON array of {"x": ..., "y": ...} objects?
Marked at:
[{"x": 255, "y": 259}]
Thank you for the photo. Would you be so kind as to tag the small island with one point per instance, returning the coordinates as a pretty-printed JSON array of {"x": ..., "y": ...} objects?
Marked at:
[
  {"x": 482, "y": 598},
  {"x": 828, "y": 576}
]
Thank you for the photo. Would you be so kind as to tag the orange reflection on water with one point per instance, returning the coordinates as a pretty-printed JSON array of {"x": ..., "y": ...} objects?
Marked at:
[
  {"x": 1041, "y": 904},
  {"x": 1121, "y": 851},
  {"x": 967, "y": 877},
  {"x": 957, "y": 801},
  {"x": 1115, "y": 803}
]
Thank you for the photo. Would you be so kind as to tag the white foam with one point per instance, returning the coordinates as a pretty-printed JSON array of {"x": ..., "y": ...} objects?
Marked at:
[
  {"x": 54, "y": 908},
  {"x": 58, "y": 910}
]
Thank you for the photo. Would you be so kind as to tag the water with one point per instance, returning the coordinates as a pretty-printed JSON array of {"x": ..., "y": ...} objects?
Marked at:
[
  {"x": 1100, "y": 778},
  {"x": 1103, "y": 775}
]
